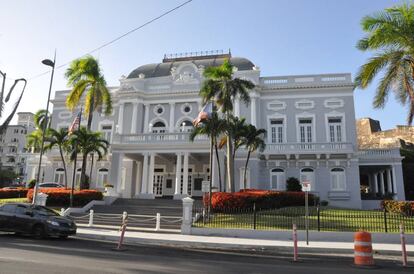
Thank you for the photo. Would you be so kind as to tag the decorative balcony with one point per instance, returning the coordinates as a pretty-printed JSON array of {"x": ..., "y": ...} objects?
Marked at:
[
  {"x": 375, "y": 154},
  {"x": 324, "y": 80},
  {"x": 158, "y": 138},
  {"x": 309, "y": 148}
]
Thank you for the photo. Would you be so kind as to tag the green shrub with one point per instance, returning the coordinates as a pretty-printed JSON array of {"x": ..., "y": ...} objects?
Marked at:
[
  {"x": 31, "y": 184},
  {"x": 404, "y": 207},
  {"x": 293, "y": 184}
]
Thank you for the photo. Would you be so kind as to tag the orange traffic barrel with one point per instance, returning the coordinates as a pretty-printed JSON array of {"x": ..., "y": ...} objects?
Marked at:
[{"x": 363, "y": 249}]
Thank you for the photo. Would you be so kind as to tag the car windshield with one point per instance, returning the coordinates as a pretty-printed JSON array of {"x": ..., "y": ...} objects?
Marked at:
[{"x": 44, "y": 211}]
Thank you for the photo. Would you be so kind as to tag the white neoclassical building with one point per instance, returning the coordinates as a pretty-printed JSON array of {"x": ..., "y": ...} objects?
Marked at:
[{"x": 310, "y": 123}]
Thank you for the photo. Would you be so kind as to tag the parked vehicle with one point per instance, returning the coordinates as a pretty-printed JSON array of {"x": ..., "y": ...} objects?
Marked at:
[
  {"x": 51, "y": 185},
  {"x": 39, "y": 221}
]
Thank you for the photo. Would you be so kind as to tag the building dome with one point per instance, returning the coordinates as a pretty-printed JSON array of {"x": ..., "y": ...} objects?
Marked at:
[{"x": 164, "y": 68}]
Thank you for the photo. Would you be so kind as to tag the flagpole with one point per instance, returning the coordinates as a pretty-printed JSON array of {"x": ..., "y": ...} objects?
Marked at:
[
  {"x": 74, "y": 162},
  {"x": 211, "y": 165}
]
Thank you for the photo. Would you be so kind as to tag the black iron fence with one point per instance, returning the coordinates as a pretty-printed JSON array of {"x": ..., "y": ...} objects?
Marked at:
[{"x": 320, "y": 219}]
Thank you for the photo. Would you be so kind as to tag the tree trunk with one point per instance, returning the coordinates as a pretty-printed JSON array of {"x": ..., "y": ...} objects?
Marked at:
[
  {"x": 64, "y": 166},
  {"x": 218, "y": 164},
  {"x": 230, "y": 166},
  {"x": 90, "y": 171},
  {"x": 245, "y": 170},
  {"x": 85, "y": 156}
]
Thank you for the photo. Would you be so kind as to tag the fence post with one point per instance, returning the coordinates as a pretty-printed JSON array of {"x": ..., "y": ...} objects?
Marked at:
[
  {"x": 124, "y": 216},
  {"x": 254, "y": 215},
  {"x": 187, "y": 216},
  {"x": 403, "y": 248},
  {"x": 158, "y": 221},
  {"x": 385, "y": 220},
  {"x": 295, "y": 243},
  {"x": 318, "y": 211},
  {"x": 90, "y": 218}
]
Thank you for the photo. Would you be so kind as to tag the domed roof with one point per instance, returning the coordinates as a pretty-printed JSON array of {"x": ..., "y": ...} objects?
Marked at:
[{"x": 164, "y": 69}]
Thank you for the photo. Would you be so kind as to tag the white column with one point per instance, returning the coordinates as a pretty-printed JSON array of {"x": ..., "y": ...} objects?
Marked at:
[
  {"x": 116, "y": 170},
  {"x": 382, "y": 182},
  {"x": 253, "y": 110},
  {"x": 237, "y": 107},
  {"x": 151, "y": 174},
  {"x": 375, "y": 183},
  {"x": 185, "y": 174},
  {"x": 146, "y": 118},
  {"x": 389, "y": 181},
  {"x": 144, "y": 180},
  {"x": 394, "y": 180},
  {"x": 172, "y": 118},
  {"x": 120, "y": 118},
  {"x": 178, "y": 175},
  {"x": 134, "y": 118}
]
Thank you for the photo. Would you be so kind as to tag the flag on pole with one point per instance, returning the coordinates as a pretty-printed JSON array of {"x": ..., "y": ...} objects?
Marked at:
[
  {"x": 75, "y": 124},
  {"x": 204, "y": 114}
]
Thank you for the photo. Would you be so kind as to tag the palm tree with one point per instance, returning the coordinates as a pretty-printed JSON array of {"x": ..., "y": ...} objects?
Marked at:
[
  {"x": 222, "y": 88},
  {"x": 8, "y": 119},
  {"x": 253, "y": 140},
  {"x": 41, "y": 118},
  {"x": 34, "y": 141},
  {"x": 237, "y": 127},
  {"x": 213, "y": 128},
  {"x": 86, "y": 79},
  {"x": 85, "y": 142},
  {"x": 59, "y": 138},
  {"x": 390, "y": 34}
]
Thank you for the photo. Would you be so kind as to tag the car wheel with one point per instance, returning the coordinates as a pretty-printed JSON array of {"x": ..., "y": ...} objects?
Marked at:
[{"x": 39, "y": 232}]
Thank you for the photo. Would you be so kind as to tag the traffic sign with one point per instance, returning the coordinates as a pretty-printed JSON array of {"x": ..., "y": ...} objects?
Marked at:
[{"x": 306, "y": 186}]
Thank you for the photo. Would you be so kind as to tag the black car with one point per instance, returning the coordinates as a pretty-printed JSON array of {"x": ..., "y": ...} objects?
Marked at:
[{"x": 33, "y": 219}]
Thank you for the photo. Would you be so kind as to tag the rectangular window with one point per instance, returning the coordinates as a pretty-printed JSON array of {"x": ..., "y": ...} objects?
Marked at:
[
  {"x": 305, "y": 130},
  {"x": 276, "y": 130},
  {"x": 335, "y": 129},
  {"x": 107, "y": 132}
]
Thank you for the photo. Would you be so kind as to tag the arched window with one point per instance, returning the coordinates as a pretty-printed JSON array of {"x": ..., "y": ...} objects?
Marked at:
[
  {"x": 59, "y": 176},
  {"x": 277, "y": 179},
  {"x": 102, "y": 177},
  {"x": 307, "y": 174},
  {"x": 338, "y": 182},
  {"x": 186, "y": 126},
  {"x": 158, "y": 127}
]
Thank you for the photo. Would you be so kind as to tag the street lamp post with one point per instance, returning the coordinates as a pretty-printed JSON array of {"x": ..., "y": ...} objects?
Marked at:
[{"x": 51, "y": 64}]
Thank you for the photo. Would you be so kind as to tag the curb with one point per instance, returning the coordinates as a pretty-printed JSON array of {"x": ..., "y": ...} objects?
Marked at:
[{"x": 284, "y": 251}]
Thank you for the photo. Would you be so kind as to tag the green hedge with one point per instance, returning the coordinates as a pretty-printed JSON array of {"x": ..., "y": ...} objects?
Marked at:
[{"x": 405, "y": 207}]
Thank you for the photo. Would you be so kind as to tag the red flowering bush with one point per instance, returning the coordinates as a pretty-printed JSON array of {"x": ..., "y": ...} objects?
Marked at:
[
  {"x": 263, "y": 199},
  {"x": 405, "y": 207},
  {"x": 13, "y": 193},
  {"x": 61, "y": 196}
]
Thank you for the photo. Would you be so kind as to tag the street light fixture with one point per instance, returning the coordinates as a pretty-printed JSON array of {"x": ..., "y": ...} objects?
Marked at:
[{"x": 51, "y": 64}]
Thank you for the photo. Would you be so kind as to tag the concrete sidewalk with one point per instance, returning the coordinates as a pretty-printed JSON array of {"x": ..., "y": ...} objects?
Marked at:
[{"x": 239, "y": 244}]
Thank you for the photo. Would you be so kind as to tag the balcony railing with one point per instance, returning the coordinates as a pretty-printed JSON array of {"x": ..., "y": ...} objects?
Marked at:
[
  {"x": 378, "y": 153},
  {"x": 179, "y": 137},
  {"x": 308, "y": 148},
  {"x": 306, "y": 80}
]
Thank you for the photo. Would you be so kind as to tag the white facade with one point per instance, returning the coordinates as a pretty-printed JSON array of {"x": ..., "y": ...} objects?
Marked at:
[{"x": 310, "y": 123}]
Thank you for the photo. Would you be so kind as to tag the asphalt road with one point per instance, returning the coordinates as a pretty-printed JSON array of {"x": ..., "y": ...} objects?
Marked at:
[{"x": 19, "y": 254}]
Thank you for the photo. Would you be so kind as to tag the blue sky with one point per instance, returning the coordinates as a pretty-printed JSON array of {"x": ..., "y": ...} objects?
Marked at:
[{"x": 282, "y": 37}]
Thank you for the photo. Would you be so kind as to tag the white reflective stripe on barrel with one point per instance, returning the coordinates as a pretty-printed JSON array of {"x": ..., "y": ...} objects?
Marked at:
[{"x": 362, "y": 243}]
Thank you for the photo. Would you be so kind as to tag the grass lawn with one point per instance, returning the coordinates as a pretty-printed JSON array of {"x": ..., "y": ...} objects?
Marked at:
[
  {"x": 330, "y": 219},
  {"x": 13, "y": 200}
]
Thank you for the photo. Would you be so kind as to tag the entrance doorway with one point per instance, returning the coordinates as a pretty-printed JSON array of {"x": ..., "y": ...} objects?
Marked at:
[{"x": 158, "y": 184}]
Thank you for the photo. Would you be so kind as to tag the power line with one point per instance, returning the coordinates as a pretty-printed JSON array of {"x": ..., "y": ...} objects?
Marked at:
[{"x": 118, "y": 38}]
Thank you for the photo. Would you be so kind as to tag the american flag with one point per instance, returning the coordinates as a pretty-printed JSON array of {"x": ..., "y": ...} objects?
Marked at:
[
  {"x": 204, "y": 114},
  {"x": 75, "y": 124}
]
